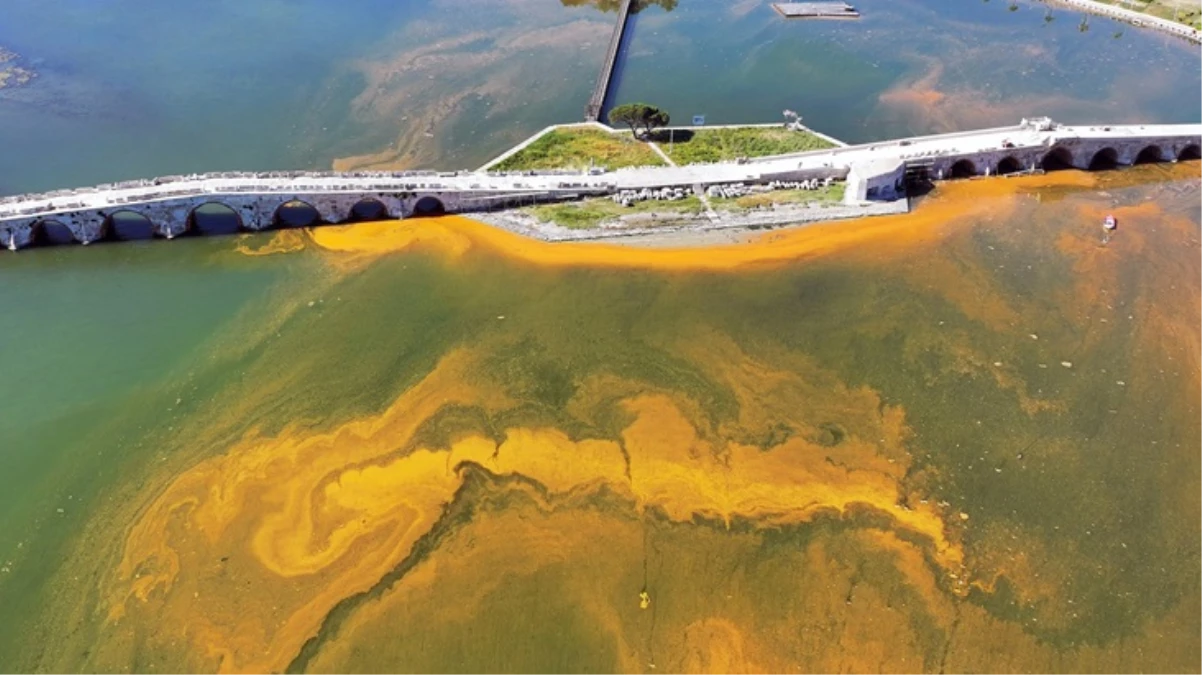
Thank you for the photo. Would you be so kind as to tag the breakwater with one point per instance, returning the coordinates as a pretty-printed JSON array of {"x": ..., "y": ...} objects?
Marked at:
[{"x": 596, "y": 102}]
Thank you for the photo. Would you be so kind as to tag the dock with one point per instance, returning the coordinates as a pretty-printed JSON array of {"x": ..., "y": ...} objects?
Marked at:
[
  {"x": 592, "y": 111},
  {"x": 815, "y": 10}
]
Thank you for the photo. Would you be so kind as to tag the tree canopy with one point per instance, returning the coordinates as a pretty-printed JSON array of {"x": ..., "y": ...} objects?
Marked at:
[{"x": 639, "y": 116}]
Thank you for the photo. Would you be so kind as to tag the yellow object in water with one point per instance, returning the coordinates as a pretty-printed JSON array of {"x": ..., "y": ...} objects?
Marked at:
[{"x": 644, "y": 600}]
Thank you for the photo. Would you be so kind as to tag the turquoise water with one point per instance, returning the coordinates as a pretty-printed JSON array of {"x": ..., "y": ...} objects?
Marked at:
[
  {"x": 134, "y": 88},
  {"x": 92, "y": 334},
  {"x": 137, "y": 88},
  {"x": 907, "y": 67}
]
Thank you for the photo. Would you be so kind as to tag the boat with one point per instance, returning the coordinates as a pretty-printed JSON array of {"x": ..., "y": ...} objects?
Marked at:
[{"x": 1110, "y": 223}]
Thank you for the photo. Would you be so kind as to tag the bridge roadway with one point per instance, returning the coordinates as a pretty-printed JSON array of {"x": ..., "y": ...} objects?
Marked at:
[{"x": 874, "y": 172}]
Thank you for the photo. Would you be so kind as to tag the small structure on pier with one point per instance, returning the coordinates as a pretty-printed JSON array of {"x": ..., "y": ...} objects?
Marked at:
[{"x": 815, "y": 10}]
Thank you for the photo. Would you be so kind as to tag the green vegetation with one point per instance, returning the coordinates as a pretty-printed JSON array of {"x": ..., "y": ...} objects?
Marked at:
[
  {"x": 639, "y": 115},
  {"x": 713, "y": 145},
  {"x": 576, "y": 147},
  {"x": 590, "y": 213},
  {"x": 573, "y": 148},
  {"x": 826, "y": 195},
  {"x": 1187, "y": 12}
]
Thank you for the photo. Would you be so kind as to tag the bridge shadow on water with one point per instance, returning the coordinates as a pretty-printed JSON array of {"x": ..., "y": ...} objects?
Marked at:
[
  {"x": 212, "y": 219},
  {"x": 428, "y": 207}
]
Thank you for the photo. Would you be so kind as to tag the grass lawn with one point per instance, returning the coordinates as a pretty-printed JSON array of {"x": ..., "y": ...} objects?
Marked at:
[
  {"x": 589, "y": 213},
  {"x": 573, "y": 148},
  {"x": 713, "y": 145},
  {"x": 826, "y": 195}
]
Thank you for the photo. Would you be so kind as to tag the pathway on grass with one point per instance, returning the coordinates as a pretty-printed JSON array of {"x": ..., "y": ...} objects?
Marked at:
[
  {"x": 705, "y": 200},
  {"x": 661, "y": 153}
]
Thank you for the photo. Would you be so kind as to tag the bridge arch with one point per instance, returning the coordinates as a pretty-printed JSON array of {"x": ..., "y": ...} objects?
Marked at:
[
  {"x": 214, "y": 218},
  {"x": 296, "y": 213},
  {"x": 127, "y": 225},
  {"x": 1058, "y": 158},
  {"x": 51, "y": 232},
  {"x": 963, "y": 168},
  {"x": 1104, "y": 160},
  {"x": 429, "y": 206},
  {"x": 1191, "y": 151},
  {"x": 1008, "y": 164},
  {"x": 368, "y": 209},
  {"x": 1149, "y": 155}
]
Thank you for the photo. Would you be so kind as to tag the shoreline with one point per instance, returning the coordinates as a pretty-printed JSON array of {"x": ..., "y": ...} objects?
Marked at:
[
  {"x": 698, "y": 230},
  {"x": 1133, "y": 17}
]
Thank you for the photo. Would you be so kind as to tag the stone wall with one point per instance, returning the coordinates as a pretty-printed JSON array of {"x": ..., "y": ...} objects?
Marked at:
[
  {"x": 171, "y": 218},
  {"x": 1076, "y": 152}
]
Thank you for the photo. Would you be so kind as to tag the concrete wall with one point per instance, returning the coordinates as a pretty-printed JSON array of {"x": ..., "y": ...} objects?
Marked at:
[
  {"x": 876, "y": 181},
  {"x": 821, "y": 173}
]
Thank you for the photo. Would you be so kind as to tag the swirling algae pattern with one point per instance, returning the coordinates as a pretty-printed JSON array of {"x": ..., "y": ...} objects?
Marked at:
[
  {"x": 327, "y": 515},
  {"x": 241, "y": 560}
]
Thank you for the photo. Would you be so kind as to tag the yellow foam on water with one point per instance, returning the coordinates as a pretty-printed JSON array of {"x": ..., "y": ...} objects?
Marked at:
[{"x": 892, "y": 235}]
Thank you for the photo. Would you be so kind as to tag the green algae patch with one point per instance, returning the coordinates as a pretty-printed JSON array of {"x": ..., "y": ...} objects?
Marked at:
[
  {"x": 717, "y": 145},
  {"x": 581, "y": 148}
]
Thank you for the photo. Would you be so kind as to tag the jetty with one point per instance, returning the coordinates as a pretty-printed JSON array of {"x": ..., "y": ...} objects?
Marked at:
[
  {"x": 596, "y": 102},
  {"x": 815, "y": 10}
]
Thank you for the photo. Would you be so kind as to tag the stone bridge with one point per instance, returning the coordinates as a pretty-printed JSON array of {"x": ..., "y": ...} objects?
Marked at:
[
  {"x": 878, "y": 169},
  {"x": 229, "y": 202},
  {"x": 173, "y": 206}
]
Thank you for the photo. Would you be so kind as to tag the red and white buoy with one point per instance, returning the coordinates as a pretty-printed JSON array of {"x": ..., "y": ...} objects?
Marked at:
[{"x": 1108, "y": 225}]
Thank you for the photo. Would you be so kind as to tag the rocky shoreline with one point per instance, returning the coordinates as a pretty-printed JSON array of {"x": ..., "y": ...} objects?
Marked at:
[{"x": 685, "y": 229}]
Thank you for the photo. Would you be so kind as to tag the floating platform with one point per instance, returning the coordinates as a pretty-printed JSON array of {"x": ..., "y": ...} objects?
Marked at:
[{"x": 815, "y": 10}]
